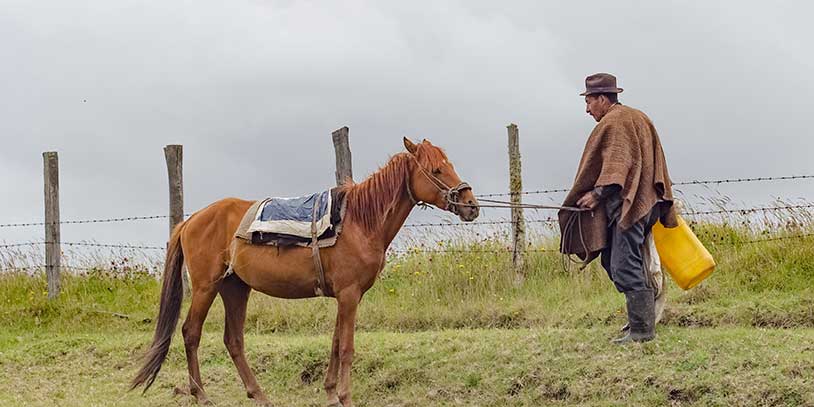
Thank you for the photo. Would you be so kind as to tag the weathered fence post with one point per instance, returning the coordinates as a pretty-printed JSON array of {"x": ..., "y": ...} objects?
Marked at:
[
  {"x": 344, "y": 165},
  {"x": 174, "y": 155},
  {"x": 515, "y": 189},
  {"x": 52, "y": 239}
]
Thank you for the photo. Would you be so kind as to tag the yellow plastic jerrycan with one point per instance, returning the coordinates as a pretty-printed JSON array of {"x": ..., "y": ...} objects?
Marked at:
[{"x": 682, "y": 254}]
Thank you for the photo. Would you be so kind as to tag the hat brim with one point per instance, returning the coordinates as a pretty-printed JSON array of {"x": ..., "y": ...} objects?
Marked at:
[{"x": 601, "y": 90}]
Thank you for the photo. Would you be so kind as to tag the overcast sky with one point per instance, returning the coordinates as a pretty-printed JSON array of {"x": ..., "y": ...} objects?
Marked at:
[{"x": 253, "y": 89}]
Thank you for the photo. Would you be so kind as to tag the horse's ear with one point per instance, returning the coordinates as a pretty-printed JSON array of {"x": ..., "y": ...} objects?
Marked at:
[{"x": 410, "y": 146}]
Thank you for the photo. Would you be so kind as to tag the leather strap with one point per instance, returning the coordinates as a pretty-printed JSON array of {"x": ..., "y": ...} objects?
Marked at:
[{"x": 320, "y": 289}]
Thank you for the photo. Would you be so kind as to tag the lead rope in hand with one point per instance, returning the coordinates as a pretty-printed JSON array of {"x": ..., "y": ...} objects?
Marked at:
[
  {"x": 451, "y": 193},
  {"x": 568, "y": 260}
]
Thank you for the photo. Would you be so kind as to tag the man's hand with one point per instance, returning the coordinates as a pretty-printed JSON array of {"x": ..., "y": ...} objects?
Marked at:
[{"x": 588, "y": 201}]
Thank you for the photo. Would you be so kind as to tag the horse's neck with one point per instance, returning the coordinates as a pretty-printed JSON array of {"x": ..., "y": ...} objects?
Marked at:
[{"x": 395, "y": 218}]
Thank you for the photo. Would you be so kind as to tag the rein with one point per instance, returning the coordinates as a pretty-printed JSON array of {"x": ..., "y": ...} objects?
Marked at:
[{"x": 452, "y": 194}]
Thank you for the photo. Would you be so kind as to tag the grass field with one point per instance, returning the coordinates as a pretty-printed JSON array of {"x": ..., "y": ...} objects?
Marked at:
[
  {"x": 540, "y": 366},
  {"x": 444, "y": 329}
]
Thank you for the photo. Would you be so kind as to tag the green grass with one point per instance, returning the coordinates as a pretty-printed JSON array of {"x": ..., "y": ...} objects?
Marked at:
[
  {"x": 767, "y": 284},
  {"x": 444, "y": 329},
  {"x": 520, "y": 367}
]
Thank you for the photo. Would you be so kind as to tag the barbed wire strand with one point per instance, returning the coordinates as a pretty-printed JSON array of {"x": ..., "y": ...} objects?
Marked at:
[
  {"x": 86, "y": 221},
  {"x": 11, "y": 245},
  {"x": 535, "y": 192},
  {"x": 740, "y": 211},
  {"x": 78, "y": 268},
  {"x": 727, "y": 243},
  {"x": 740, "y": 180},
  {"x": 694, "y": 182},
  {"x": 771, "y": 239},
  {"x": 746, "y": 211},
  {"x": 22, "y": 268},
  {"x": 113, "y": 245},
  {"x": 437, "y": 251},
  {"x": 493, "y": 222},
  {"x": 87, "y": 244}
]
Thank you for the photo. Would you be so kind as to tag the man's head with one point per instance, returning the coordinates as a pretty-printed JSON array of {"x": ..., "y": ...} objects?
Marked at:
[
  {"x": 598, "y": 104},
  {"x": 600, "y": 94}
]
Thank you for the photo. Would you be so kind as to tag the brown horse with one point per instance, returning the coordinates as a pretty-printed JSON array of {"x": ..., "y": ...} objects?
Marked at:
[{"x": 375, "y": 212}]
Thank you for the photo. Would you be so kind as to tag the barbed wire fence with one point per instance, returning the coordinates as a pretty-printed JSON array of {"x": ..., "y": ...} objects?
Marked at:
[
  {"x": 416, "y": 250},
  {"x": 548, "y": 220},
  {"x": 52, "y": 244}
]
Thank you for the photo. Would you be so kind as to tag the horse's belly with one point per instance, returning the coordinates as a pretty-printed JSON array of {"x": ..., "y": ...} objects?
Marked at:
[
  {"x": 284, "y": 273},
  {"x": 285, "y": 289}
]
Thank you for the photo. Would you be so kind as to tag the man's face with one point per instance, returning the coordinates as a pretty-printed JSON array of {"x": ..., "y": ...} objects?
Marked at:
[{"x": 596, "y": 106}]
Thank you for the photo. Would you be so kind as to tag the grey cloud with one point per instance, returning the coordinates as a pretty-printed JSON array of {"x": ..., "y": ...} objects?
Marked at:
[{"x": 253, "y": 89}]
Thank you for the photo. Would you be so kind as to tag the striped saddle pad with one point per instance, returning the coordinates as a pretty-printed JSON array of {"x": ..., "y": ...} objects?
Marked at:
[
  {"x": 289, "y": 221},
  {"x": 293, "y": 216}
]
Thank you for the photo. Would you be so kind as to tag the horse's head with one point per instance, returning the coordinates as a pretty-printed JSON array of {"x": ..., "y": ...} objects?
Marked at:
[{"x": 433, "y": 180}]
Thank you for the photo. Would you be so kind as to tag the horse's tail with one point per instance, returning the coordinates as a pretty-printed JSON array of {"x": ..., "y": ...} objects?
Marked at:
[{"x": 172, "y": 294}]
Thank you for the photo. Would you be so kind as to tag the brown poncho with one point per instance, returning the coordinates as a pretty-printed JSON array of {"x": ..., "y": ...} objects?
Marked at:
[{"x": 623, "y": 149}]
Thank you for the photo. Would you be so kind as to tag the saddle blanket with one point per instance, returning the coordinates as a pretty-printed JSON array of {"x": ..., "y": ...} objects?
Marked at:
[
  {"x": 287, "y": 221},
  {"x": 293, "y": 216}
]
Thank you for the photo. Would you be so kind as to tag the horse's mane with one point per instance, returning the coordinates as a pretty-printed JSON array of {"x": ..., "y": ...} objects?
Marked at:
[{"x": 369, "y": 201}]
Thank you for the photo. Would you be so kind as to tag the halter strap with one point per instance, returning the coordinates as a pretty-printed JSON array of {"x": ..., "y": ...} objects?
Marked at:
[{"x": 450, "y": 194}]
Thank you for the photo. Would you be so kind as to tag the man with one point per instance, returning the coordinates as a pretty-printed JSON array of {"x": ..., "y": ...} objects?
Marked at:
[{"x": 623, "y": 185}]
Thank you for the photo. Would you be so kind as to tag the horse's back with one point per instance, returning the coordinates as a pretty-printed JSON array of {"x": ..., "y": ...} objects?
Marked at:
[{"x": 221, "y": 216}]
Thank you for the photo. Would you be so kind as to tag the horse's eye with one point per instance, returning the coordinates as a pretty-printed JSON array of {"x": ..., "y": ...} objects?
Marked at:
[{"x": 436, "y": 171}]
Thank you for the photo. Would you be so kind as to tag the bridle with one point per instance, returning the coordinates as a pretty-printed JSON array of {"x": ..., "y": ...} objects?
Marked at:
[{"x": 451, "y": 194}]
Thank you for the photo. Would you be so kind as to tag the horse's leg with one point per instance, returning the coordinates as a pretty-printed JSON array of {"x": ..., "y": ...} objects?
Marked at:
[
  {"x": 332, "y": 374},
  {"x": 202, "y": 297},
  {"x": 235, "y": 295},
  {"x": 347, "y": 303}
]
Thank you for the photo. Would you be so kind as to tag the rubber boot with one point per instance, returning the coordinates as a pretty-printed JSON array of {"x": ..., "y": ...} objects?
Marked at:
[
  {"x": 641, "y": 316},
  {"x": 661, "y": 303}
]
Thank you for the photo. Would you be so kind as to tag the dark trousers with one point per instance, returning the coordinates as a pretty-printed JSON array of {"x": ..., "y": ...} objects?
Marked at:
[{"x": 623, "y": 258}]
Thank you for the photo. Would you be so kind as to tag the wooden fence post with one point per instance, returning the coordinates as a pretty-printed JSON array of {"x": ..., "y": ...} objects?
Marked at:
[
  {"x": 174, "y": 155},
  {"x": 344, "y": 164},
  {"x": 515, "y": 189},
  {"x": 53, "y": 251}
]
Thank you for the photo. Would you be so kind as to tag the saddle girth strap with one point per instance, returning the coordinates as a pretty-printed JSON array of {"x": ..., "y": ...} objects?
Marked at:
[{"x": 320, "y": 289}]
